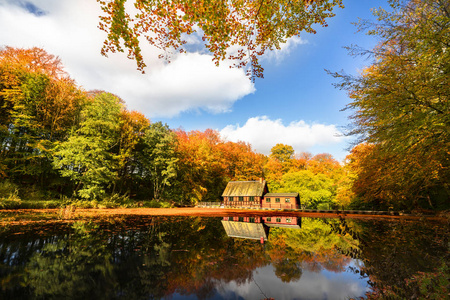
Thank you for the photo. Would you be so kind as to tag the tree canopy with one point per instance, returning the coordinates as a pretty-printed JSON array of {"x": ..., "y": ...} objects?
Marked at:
[
  {"x": 237, "y": 30},
  {"x": 400, "y": 102}
]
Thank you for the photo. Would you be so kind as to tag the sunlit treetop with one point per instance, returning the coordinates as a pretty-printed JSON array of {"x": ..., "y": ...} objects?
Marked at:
[
  {"x": 31, "y": 60},
  {"x": 236, "y": 30}
]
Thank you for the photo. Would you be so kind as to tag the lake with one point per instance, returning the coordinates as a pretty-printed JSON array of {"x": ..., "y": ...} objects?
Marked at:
[{"x": 234, "y": 257}]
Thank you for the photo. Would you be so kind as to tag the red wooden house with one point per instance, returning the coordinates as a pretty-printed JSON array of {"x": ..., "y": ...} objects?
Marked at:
[
  {"x": 255, "y": 194},
  {"x": 281, "y": 201}
]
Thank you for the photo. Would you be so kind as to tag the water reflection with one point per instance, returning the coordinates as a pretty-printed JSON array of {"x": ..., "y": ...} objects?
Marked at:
[{"x": 141, "y": 257}]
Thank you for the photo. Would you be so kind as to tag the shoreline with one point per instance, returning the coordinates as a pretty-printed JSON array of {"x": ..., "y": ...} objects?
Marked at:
[{"x": 205, "y": 212}]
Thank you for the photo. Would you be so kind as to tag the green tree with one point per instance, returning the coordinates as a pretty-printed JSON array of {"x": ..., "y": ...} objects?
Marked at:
[
  {"x": 86, "y": 157},
  {"x": 240, "y": 30},
  {"x": 313, "y": 188},
  {"x": 158, "y": 157},
  {"x": 400, "y": 102}
]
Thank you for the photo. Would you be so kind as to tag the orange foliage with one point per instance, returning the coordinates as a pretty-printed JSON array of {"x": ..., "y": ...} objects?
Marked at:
[
  {"x": 391, "y": 179},
  {"x": 207, "y": 162},
  {"x": 34, "y": 60},
  {"x": 273, "y": 170},
  {"x": 300, "y": 161},
  {"x": 323, "y": 163}
]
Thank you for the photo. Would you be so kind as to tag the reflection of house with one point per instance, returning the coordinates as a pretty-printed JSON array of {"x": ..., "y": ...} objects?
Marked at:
[
  {"x": 285, "y": 222},
  {"x": 255, "y": 194},
  {"x": 257, "y": 227},
  {"x": 246, "y": 230}
]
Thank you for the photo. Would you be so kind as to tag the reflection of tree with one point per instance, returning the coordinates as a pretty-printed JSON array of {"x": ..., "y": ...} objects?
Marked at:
[
  {"x": 313, "y": 247},
  {"x": 76, "y": 267},
  {"x": 288, "y": 270},
  {"x": 211, "y": 259},
  {"x": 154, "y": 257},
  {"x": 393, "y": 252}
]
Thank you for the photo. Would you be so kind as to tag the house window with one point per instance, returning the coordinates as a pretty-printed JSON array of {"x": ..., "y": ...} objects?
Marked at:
[
  {"x": 267, "y": 200},
  {"x": 288, "y": 220},
  {"x": 241, "y": 219},
  {"x": 230, "y": 218},
  {"x": 277, "y": 200},
  {"x": 268, "y": 219},
  {"x": 251, "y": 220},
  {"x": 278, "y": 220},
  {"x": 252, "y": 198},
  {"x": 230, "y": 199},
  {"x": 287, "y": 200},
  {"x": 241, "y": 198}
]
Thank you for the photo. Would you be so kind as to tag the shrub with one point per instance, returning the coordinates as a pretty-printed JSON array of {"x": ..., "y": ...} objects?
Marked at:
[
  {"x": 157, "y": 204},
  {"x": 9, "y": 195}
]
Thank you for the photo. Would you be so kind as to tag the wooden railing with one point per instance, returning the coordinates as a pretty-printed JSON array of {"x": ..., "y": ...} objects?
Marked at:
[
  {"x": 293, "y": 207},
  {"x": 209, "y": 204},
  {"x": 280, "y": 206}
]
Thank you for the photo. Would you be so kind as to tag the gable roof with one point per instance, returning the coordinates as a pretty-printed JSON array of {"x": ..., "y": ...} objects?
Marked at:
[{"x": 245, "y": 188}]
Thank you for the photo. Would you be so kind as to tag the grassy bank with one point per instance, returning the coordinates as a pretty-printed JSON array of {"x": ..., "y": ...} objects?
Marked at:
[{"x": 16, "y": 203}]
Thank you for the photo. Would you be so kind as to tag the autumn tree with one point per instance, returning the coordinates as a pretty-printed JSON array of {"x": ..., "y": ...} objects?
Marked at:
[
  {"x": 282, "y": 153},
  {"x": 38, "y": 105},
  {"x": 386, "y": 181},
  {"x": 133, "y": 125},
  {"x": 242, "y": 163},
  {"x": 240, "y": 31},
  {"x": 273, "y": 171},
  {"x": 300, "y": 161},
  {"x": 201, "y": 166},
  {"x": 324, "y": 163},
  {"x": 279, "y": 163},
  {"x": 207, "y": 163},
  {"x": 400, "y": 102}
]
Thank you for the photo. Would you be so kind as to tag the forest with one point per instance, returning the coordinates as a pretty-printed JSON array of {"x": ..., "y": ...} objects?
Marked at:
[{"x": 61, "y": 144}]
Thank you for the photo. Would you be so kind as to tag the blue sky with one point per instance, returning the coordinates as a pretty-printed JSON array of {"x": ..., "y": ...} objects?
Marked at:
[{"x": 294, "y": 104}]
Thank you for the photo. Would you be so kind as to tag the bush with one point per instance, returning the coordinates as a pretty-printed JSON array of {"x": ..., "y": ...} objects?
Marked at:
[
  {"x": 30, "y": 204},
  {"x": 8, "y": 190},
  {"x": 324, "y": 206},
  {"x": 111, "y": 201},
  {"x": 157, "y": 204},
  {"x": 116, "y": 200},
  {"x": 9, "y": 195}
]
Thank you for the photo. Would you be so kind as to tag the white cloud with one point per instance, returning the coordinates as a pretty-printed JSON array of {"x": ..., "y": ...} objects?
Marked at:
[
  {"x": 312, "y": 285},
  {"x": 285, "y": 49},
  {"x": 69, "y": 29},
  {"x": 263, "y": 133}
]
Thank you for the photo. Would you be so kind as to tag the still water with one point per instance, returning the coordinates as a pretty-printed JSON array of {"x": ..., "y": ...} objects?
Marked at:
[{"x": 241, "y": 257}]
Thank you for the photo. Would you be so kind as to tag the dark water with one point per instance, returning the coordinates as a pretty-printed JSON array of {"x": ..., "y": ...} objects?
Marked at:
[{"x": 144, "y": 257}]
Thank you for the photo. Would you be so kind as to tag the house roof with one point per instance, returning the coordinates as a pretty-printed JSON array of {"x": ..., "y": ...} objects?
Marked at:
[
  {"x": 281, "y": 195},
  {"x": 245, "y": 188},
  {"x": 245, "y": 230}
]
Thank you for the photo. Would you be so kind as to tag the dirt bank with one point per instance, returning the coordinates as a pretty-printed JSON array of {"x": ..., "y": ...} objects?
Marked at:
[{"x": 203, "y": 212}]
